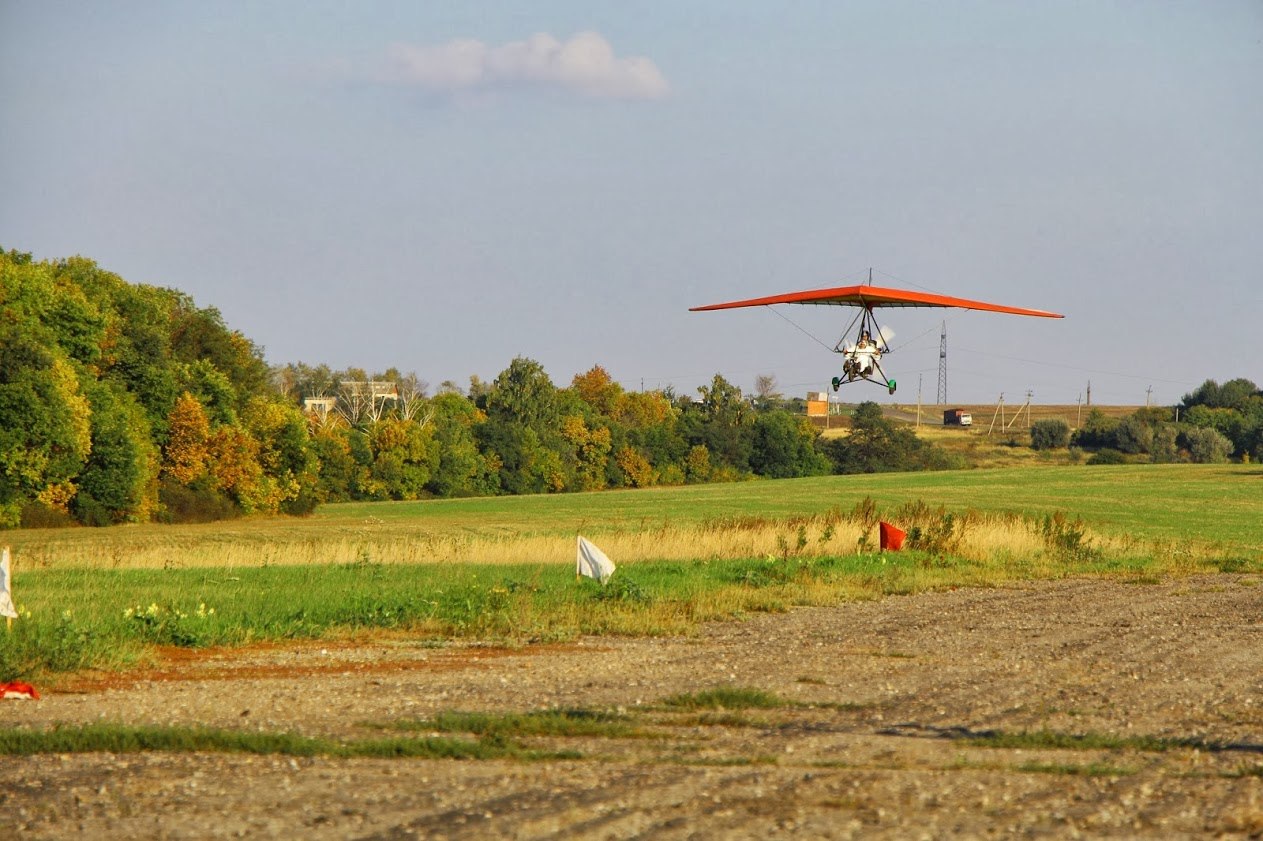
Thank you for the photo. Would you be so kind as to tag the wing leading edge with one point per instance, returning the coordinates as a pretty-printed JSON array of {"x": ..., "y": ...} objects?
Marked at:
[{"x": 874, "y": 296}]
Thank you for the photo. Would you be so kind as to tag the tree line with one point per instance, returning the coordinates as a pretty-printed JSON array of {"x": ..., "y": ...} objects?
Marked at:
[
  {"x": 1213, "y": 423},
  {"x": 124, "y": 402}
]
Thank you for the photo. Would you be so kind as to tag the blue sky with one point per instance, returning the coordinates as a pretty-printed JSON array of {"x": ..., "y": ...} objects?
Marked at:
[{"x": 443, "y": 186}]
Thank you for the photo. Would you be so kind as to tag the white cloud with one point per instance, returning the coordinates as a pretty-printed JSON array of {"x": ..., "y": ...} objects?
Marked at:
[{"x": 585, "y": 64}]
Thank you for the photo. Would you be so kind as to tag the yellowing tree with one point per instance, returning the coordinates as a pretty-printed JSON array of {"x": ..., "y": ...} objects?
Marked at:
[
  {"x": 234, "y": 467},
  {"x": 591, "y": 451},
  {"x": 597, "y": 388},
  {"x": 188, "y": 433},
  {"x": 636, "y": 468}
]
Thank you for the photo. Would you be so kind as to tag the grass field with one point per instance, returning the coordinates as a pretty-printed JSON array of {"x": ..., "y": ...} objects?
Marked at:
[
  {"x": 501, "y": 568},
  {"x": 1218, "y": 505}
]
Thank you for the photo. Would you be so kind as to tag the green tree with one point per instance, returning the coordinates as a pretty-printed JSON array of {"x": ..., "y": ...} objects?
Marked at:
[
  {"x": 1206, "y": 446},
  {"x": 461, "y": 470},
  {"x": 1049, "y": 434},
  {"x": 405, "y": 455},
  {"x": 45, "y": 435},
  {"x": 523, "y": 394},
  {"x": 784, "y": 446},
  {"x": 876, "y": 445},
  {"x": 1098, "y": 430},
  {"x": 1133, "y": 435},
  {"x": 290, "y": 469},
  {"x": 118, "y": 484},
  {"x": 723, "y": 423},
  {"x": 201, "y": 335}
]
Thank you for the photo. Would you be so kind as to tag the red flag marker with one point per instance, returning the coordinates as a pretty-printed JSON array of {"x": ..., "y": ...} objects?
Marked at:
[
  {"x": 891, "y": 537},
  {"x": 18, "y": 690}
]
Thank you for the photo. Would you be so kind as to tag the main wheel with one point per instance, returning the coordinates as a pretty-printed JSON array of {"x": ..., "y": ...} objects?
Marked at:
[
  {"x": 890, "y": 385},
  {"x": 836, "y": 382}
]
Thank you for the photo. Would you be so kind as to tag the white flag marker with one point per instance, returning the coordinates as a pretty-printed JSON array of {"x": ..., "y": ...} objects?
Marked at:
[
  {"x": 6, "y": 591},
  {"x": 592, "y": 562}
]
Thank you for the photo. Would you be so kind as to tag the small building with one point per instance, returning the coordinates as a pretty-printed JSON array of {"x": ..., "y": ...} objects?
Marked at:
[
  {"x": 957, "y": 417},
  {"x": 320, "y": 406},
  {"x": 817, "y": 404}
]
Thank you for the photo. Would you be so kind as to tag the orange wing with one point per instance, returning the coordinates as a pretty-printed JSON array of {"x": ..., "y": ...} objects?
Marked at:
[{"x": 871, "y": 297}]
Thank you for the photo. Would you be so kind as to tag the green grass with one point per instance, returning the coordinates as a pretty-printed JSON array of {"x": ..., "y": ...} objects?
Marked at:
[
  {"x": 568, "y": 722},
  {"x": 108, "y": 615},
  {"x": 118, "y": 738},
  {"x": 727, "y": 698},
  {"x": 75, "y": 618},
  {"x": 1219, "y": 504},
  {"x": 1052, "y": 740}
]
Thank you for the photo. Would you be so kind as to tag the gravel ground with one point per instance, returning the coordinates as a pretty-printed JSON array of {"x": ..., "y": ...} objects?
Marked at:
[{"x": 891, "y": 693}]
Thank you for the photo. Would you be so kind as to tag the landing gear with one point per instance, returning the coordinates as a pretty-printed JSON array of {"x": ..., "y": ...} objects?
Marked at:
[{"x": 863, "y": 359}]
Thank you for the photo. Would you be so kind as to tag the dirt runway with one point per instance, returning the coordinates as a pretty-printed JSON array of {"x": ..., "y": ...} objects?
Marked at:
[{"x": 890, "y": 700}]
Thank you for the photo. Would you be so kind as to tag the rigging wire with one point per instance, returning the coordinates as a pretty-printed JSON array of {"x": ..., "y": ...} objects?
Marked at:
[
  {"x": 803, "y": 330},
  {"x": 847, "y": 331},
  {"x": 908, "y": 282}
]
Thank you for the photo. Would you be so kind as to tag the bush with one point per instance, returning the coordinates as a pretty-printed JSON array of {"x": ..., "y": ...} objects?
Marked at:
[
  {"x": 1097, "y": 431},
  {"x": 1108, "y": 456},
  {"x": 194, "y": 504},
  {"x": 1207, "y": 446},
  {"x": 1133, "y": 435},
  {"x": 1049, "y": 434},
  {"x": 1164, "y": 450},
  {"x": 36, "y": 515}
]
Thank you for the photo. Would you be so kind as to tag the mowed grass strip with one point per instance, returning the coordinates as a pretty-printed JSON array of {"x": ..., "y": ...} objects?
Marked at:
[
  {"x": 562, "y": 723},
  {"x": 119, "y": 738},
  {"x": 1218, "y": 505},
  {"x": 1053, "y": 740}
]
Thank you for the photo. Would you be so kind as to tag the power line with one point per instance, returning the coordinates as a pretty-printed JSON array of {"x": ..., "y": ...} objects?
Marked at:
[{"x": 1075, "y": 367}]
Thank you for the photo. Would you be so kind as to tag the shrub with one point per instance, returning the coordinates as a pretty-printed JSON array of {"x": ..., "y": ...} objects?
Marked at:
[
  {"x": 1049, "y": 434},
  {"x": 1108, "y": 456},
  {"x": 1097, "y": 431},
  {"x": 1207, "y": 446},
  {"x": 196, "y": 504},
  {"x": 36, "y": 515},
  {"x": 1133, "y": 435}
]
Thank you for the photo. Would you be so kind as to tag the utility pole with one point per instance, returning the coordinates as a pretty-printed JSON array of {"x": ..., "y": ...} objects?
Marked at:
[
  {"x": 942, "y": 366},
  {"x": 999, "y": 410},
  {"x": 919, "y": 401},
  {"x": 1089, "y": 394},
  {"x": 1017, "y": 416},
  {"x": 1078, "y": 413},
  {"x": 1148, "y": 393}
]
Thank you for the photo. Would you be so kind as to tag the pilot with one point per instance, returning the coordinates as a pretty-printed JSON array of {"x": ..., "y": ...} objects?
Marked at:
[{"x": 864, "y": 353}]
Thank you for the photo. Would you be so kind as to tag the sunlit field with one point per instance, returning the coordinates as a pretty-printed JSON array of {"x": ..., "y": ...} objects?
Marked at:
[
  {"x": 502, "y": 569},
  {"x": 1216, "y": 506}
]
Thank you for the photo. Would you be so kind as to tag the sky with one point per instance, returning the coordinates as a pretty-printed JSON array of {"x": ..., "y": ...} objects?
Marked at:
[{"x": 440, "y": 187}]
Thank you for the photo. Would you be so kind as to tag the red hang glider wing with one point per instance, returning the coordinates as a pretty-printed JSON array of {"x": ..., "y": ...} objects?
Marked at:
[{"x": 872, "y": 297}]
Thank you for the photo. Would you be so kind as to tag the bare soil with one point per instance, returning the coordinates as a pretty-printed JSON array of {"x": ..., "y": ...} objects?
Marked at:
[{"x": 891, "y": 695}]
